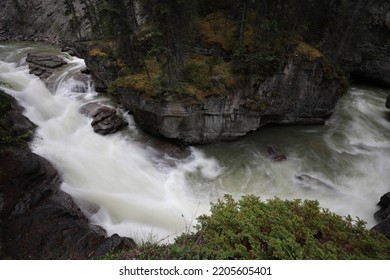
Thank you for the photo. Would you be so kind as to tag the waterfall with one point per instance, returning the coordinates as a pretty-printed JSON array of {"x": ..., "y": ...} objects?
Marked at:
[{"x": 136, "y": 190}]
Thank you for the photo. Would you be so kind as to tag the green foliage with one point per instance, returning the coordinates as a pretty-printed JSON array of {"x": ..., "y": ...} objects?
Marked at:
[
  {"x": 242, "y": 42},
  {"x": 274, "y": 229},
  {"x": 279, "y": 229},
  {"x": 172, "y": 25}
]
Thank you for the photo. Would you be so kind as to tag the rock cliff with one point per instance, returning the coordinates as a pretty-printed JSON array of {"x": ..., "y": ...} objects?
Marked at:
[
  {"x": 351, "y": 39},
  {"x": 360, "y": 45},
  {"x": 49, "y": 21},
  {"x": 304, "y": 92}
]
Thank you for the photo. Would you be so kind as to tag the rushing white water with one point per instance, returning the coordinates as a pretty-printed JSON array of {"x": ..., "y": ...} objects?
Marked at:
[{"x": 135, "y": 190}]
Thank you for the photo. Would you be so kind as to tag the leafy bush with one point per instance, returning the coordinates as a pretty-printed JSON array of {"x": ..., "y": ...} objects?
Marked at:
[{"x": 275, "y": 229}]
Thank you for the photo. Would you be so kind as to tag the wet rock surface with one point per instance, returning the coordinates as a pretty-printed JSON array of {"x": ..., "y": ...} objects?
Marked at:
[
  {"x": 42, "y": 20},
  {"x": 37, "y": 219},
  {"x": 106, "y": 120},
  {"x": 44, "y": 65},
  {"x": 382, "y": 216}
]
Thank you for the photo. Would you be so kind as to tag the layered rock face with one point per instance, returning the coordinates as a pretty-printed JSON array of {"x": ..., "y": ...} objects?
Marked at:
[
  {"x": 42, "y": 20},
  {"x": 37, "y": 219},
  {"x": 44, "y": 65},
  {"x": 305, "y": 92}
]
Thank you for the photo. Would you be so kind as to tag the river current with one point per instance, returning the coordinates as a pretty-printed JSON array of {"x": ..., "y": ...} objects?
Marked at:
[{"x": 136, "y": 190}]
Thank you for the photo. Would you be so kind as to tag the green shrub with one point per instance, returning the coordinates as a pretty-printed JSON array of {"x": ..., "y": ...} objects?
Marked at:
[{"x": 274, "y": 229}]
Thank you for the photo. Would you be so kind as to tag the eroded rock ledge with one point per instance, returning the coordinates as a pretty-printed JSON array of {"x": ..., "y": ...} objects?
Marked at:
[
  {"x": 37, "y": 219},
  {"x": 44, "y": 65},
  {"x": 305, "y": 92}
]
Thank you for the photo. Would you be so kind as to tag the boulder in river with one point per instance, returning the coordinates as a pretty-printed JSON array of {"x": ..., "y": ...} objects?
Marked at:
[
  {"x": 43, "y": 65},
  {"x": 388, "y": 102},
  {"x": 106, "y": 120}
]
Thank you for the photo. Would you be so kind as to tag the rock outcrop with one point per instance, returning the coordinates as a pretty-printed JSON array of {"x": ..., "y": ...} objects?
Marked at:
[
  {"x": 382, "y": 216},
  {"x": 37, "y": 219},
  {"x": 43, "y": 20},
  {"x": 305, "y": 92},
  {"x": 103, "y": 70},
  {"x": 44, "y": 65},
  {"x": 106, "y": 120}
]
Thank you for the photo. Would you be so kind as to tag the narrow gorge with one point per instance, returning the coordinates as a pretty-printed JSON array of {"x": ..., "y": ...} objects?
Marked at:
[{"x": 129, "y": 138}]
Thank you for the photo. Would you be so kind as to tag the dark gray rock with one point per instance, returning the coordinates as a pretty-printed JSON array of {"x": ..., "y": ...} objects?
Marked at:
[
  {"x": 361, "y": 47},
  {"x": 37, "y": 219},
  {"x": 388, "y": 102},
  {"x": 106, "y": 120},
  {"x": 44, "y": 65},
  {"x": 103, "y": 70},
  {"x": 383, "y": 227},
  {"x": 113, "y": 242},
  {"x": 384, "y": 211},
  {"x": 71, "y": 51},
  {"x": 43, "y": 20},
  {"x": 383, "y": 215}
]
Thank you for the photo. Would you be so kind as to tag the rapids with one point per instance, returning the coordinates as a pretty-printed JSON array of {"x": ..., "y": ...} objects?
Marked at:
[{"x": 137, "y": 190}]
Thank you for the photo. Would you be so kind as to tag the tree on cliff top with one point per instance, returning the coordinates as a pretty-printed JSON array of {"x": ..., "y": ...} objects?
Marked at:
[{"x": 172, "y": 22}]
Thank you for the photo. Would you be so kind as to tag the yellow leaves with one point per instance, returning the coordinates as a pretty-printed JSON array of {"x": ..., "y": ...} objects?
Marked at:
[
  {"x": 216, "y": 28},
  {"x": 308, "y": 51},
  {"x": 97, "y": 52}
]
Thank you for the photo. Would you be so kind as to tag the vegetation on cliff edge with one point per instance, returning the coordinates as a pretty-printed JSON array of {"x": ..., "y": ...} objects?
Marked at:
[
  {"x": 274, "y": 229},
  {"x": 192, "y": 49}
]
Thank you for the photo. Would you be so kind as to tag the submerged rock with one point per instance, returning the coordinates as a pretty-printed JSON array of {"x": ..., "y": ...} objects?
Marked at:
[
  {"x": 308, "y": 181},
  {"x": 275, "y": 154},
  {"x": 106, "y": 120},
  {"x": 44, "y": 65}
]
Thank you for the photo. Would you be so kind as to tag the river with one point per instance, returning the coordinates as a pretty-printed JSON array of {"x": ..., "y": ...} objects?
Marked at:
[{"x": 136, "y": 190}]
